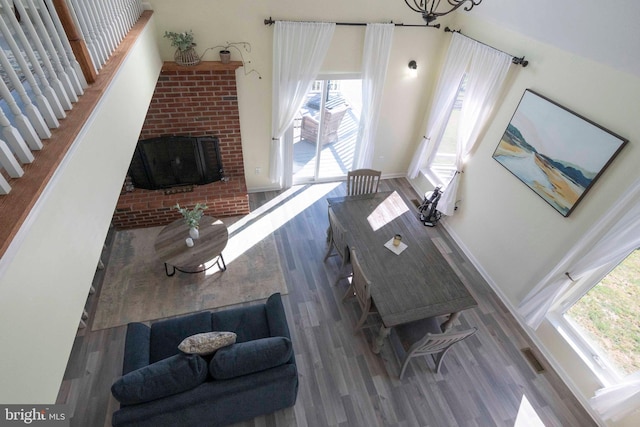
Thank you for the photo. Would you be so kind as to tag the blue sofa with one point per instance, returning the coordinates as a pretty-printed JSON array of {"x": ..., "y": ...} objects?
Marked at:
[{"x": 161, "y": 386}]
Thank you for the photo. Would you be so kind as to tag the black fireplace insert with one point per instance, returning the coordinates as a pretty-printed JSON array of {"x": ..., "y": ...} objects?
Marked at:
[{"x": 171, "y": 161}]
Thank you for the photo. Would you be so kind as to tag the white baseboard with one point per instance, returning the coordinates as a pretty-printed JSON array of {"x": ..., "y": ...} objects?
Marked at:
[{"x": 263, "y": 189}]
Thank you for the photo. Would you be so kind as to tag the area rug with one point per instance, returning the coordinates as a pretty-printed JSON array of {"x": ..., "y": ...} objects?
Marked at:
[{"x": 137, "y": 289}]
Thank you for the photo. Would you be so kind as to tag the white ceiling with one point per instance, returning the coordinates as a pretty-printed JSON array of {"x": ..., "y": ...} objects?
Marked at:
[{"x": 605, "y": 31}]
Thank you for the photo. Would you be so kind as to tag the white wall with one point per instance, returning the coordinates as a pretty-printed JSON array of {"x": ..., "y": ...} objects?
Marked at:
[
  {"x": 404, "y": 100},
  {"x": 513, "y": 236},
  {"x": 46, "y": 273}
]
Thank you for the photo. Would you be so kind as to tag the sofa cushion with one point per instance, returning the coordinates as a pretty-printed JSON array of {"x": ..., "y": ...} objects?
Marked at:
[
  {"x": 206, "y": 343},
  {"x": 166, "y": 335},
  {"x": 170, "y": 376},
  {"x": 249, "y": 357}
]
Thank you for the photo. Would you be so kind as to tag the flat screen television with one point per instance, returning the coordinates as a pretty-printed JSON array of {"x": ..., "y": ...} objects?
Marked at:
[{"x": 171, "y": 161}]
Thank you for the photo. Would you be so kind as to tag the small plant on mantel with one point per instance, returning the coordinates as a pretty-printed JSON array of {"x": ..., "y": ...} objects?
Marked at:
[
  {"x": 185, "y": 47},
  {"x": 192, "y": 216},
  {"x": 225, "y": 54},
  {"x": 181, "y": 41}
]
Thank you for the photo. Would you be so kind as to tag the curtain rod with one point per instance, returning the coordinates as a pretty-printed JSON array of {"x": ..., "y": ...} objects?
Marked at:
[
  {"x": 271, "y": 21},
  {"x": 514, "y": 59}
]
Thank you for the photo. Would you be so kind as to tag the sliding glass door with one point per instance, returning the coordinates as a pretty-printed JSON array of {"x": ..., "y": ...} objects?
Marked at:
[{"x": 325, "y": 130}]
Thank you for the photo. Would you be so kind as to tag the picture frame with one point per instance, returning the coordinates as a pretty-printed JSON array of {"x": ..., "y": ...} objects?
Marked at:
[{"x": 556, "y": 152}]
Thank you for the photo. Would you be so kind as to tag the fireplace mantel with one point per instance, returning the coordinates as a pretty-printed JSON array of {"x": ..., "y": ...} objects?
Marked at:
[{"x": 202, "y": 66}]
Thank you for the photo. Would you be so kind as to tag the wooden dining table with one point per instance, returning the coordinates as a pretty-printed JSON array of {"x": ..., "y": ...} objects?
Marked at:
[{"x": 415, "y": 284}]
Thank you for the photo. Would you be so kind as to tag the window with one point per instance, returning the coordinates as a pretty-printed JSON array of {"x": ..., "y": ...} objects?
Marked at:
[
  {"x": 604, "y": 322},
  {"x": 326, "y": 129},
  {"x": 443, "y": 165}
]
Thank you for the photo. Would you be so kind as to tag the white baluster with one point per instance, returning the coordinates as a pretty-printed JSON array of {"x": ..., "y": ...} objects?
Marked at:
[
  {"x": 47, "y": 90},
  {"x": 89, "y": 32},
  {"x": 68, "y": 69},
  {"x": 9, "y": 162},
  {"x": 118, "y": 8},
  {"x": 79, "y": 22},
  {"x": 15, "y": 140},
  {"x": 29, "y": 109},
  {"x": 62, "y": 36},
  {"x": 63, "y": 90},
  {"x": 105, "y": 26},
  {"x": 5, "y": 188},
  {"x": 111, "y": 25},
  {"x": 120, "y": 26},
  {"x": 93, "y": 26},
  {"x": 22, "y": 122},
  {"x": 43, "y": 104},
  {"x": 139, "y": 8},
  {"x": 129, "y": 13}
]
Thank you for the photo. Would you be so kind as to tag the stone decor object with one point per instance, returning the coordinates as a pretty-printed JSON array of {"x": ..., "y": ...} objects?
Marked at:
[{"x": 207, "y": 343}]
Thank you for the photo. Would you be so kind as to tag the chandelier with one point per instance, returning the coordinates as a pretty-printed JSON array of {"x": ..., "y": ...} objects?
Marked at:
[{"x": 428, "y": 8}]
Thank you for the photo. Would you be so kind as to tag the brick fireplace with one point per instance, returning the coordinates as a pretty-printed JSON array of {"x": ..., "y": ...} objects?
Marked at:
[{"x": 191, "y": 101}]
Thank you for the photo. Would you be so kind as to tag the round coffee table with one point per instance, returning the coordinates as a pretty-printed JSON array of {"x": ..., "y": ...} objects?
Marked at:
[{"x": 171, "y": 247}]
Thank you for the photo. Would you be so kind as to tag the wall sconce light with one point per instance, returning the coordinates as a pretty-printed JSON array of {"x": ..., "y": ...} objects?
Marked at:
[{"x": 413, "y": 68}]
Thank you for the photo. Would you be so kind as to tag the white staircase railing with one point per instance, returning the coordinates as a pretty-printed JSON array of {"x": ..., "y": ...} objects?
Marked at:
[{"x": 40, "y": 75}]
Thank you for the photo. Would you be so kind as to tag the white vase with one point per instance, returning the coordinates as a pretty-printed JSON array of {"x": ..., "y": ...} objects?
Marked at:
[
  {"x": 189, "y": 241},
  {"x": 194, "y": 233}
]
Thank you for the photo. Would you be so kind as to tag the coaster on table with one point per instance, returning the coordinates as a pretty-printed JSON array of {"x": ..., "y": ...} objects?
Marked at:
[{"x": 395, "y": 249}]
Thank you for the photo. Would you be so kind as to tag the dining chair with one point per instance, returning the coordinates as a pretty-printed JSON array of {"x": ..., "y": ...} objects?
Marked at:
[
  {"x": 424, "y": 337},
  {"x": 360, "y": 287},
  {"x": 337, "y": 243},
  {"x": 362, "y": 181}
]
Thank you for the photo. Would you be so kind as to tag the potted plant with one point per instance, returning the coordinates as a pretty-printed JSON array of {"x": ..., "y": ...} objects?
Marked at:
[
  {"x": 185, "y": 47},
  {"x": 225, "y": 50},
  {"x": 192, "y": 218},
  {"x": 225, "y": 54}
]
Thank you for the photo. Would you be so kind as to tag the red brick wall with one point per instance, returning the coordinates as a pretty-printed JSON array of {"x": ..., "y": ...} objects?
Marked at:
[{"x": 195, "y": 101}]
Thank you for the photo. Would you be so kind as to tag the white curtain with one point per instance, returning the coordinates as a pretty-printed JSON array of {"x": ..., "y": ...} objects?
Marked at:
[
  {"x": 455, "y": 65},
  {"x": 486, "y": 74},
  {"x": 617, "y": 401},
  {"x": 606, "y": 245},
  {"x": 611, "y": 240},
  {"x": 375, "y": 59},
  {"x": 298, "y": 51}
]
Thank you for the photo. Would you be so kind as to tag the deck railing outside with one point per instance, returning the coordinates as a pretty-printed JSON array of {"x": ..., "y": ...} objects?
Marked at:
[{"x": 50, "y": 50}]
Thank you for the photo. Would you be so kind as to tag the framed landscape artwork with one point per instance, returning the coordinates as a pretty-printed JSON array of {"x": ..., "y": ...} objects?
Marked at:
[{"x": 555, "y": 152}]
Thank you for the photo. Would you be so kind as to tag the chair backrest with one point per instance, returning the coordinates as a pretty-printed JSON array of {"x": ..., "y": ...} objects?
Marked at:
[
  {"x": 436, "y": 343},
  {"x": 333, "y": 118},
  {"x": 362, "y": 181},
  {"x": 338, "y": 236},
  {"x": 361, "y": 285}
]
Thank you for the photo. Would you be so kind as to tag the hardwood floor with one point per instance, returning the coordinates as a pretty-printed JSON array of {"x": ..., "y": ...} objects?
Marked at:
[{"x": 484, "y": 380}]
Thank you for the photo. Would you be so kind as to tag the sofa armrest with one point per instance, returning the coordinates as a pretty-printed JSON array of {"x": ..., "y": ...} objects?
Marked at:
[
  {"x": 278, "y": 326},
  {"x": 136, "y": 347}
]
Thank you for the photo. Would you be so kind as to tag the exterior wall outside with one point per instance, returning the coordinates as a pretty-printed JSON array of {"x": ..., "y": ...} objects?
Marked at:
[{"x": 47, "y": 270}]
